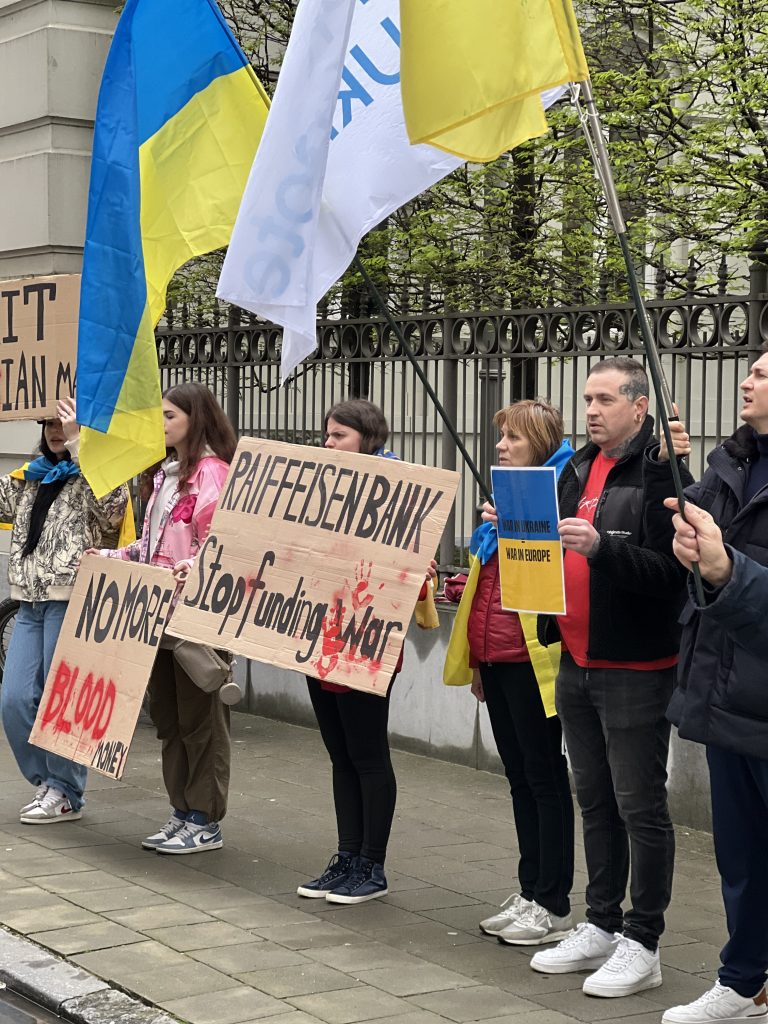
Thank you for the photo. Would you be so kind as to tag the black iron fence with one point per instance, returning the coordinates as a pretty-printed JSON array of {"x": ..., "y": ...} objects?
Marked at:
[{"x": 476, "y": 362}]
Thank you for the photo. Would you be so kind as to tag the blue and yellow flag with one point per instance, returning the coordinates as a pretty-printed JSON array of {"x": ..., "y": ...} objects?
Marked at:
[
  {"x": 179, "y": 118},
  {"x": 472, "y": 73}
]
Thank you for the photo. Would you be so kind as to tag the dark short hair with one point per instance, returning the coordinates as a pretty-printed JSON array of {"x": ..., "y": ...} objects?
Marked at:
[
  {"x": 364, "y": 417},
  {"x": 637, "y": 379}
]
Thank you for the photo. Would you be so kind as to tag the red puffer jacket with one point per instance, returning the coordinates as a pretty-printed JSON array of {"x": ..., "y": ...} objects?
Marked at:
[{"x": 494, "y": 635}]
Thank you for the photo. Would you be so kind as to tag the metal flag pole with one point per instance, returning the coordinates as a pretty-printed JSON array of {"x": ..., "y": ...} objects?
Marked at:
[
  {"x": 422, "y": 376},
  {"x": 592, "y": 129}
]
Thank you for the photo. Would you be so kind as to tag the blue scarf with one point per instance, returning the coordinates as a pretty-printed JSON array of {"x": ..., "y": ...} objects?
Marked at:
[
  {"x": 484, "y": 542},
  {"x": 48, "y": 472}
]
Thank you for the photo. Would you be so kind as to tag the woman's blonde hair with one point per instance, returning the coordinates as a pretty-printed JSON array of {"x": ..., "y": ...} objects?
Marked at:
[{"x": 536, "y": 420}]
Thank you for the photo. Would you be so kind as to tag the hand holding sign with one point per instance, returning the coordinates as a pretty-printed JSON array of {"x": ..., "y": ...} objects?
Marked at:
[
  {"x": 67, "y": 413},
  {"x": 579, "y": 536}
]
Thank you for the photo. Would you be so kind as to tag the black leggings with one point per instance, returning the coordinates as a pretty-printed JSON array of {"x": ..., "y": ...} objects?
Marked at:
[
  {"x": 529, "y": 745},
  {"x": 354, "y": 730}
]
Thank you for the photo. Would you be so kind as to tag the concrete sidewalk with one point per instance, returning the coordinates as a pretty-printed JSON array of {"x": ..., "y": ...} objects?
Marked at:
[{"x": 221, "y": 937}]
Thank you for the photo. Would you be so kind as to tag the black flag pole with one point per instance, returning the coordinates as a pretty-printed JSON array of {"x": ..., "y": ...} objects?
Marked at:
[
  {"x": 592, "y": 128},
  {"x": 395, "y": 326}
]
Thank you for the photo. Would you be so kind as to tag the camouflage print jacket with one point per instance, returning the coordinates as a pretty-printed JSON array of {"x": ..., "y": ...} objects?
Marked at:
[{"x": 77, "y": 520}]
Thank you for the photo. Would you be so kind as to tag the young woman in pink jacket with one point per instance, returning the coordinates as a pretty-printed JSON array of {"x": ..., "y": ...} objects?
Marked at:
[{"x": 193, "y": 725}]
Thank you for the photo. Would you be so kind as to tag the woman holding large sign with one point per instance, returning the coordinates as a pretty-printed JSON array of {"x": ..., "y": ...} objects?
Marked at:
[
  {"x": 497, "y": 651},
  {"x": 192, "y": 724},
  {"x": 353, "y": 724},
  {"x": 55, "y": 516}
]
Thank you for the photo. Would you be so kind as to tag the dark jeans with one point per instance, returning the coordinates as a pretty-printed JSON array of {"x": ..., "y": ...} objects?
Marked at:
[
  {"x": 617, "y": 739},
  {"x": 530, "y": 747},
  {"x": 354, "y": 730},
  {"x": 740, "y": 824}
]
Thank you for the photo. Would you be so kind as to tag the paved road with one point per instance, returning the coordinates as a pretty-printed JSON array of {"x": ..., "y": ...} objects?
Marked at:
[
  {"x": 221, "y": 937},
  {"x": 14, "y": 1009}
]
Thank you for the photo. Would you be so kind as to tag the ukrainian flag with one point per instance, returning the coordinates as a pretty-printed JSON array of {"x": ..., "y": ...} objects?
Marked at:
[
  {"x": 179, "y": 118},
  {"x": 472, "y": 71}
]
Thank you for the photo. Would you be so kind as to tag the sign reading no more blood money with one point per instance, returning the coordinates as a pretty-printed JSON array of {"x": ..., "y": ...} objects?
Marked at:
[
  {"x": 38, "y": 345},
  {"x": 530, "y": 550},
  {"x": 102, "y": 662},
  {"x": 315, "y": 559}
]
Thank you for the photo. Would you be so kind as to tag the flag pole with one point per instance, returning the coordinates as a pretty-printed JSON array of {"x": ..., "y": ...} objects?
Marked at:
[
  {"x": 592, "y": 128},
  {"x": 380, "y": 301}
]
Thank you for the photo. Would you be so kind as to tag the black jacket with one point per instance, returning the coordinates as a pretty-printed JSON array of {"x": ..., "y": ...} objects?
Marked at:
[
  {"x": 635, "y": 590},
  {"x": 722, "y": 692}
]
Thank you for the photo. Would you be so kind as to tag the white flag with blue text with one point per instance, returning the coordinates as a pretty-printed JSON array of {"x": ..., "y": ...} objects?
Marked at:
[{"x": 333, "y": 162}]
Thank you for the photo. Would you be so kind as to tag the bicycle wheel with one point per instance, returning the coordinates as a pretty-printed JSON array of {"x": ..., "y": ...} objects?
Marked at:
[{"x": 8, "y": 610}]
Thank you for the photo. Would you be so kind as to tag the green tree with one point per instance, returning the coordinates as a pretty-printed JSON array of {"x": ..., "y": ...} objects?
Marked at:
[{"x": 682, "y": 86}]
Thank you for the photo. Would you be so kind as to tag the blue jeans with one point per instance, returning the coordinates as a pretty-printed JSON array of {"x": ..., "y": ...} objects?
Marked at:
[
  {"x": 617, "y": 738},
  {"x": 30, "y": 654}
]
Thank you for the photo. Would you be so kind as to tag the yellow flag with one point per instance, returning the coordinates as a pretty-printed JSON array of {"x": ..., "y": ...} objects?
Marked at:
[{"x": 472, "y": 70}]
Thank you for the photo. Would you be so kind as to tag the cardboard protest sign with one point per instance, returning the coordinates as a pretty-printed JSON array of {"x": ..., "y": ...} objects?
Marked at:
[
  {"x": 38, "y": 344},
  {"x": 530, "y": 551},
  {"x": 314, "y": 560},
  {"x": 102, "y": 662}
]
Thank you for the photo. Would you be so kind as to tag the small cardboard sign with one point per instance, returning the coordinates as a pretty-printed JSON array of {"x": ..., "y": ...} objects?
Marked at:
[
  {"x": 38, "y": 345},
  {"x": 102, "y": 662},
  {"x": 315, "y": 559},
  {"x": 530, "y": 550}
]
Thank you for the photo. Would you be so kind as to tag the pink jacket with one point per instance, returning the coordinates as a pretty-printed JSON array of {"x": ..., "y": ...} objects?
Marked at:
[{"x": 185, "y": 520}]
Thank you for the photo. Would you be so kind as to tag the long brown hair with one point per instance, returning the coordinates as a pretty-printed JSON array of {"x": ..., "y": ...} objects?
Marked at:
[{"x": 209, "y": 428}]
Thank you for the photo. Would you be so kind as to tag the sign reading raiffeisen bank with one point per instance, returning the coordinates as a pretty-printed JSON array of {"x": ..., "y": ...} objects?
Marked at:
[
  {"x": 530, "y": 550},
  {"x": 315, "y": 559},
  {"x": 38, "y": 345}
]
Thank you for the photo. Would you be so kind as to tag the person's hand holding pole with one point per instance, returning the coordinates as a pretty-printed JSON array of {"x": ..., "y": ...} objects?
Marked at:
[
  {"x": 680, "y": 440},
  {"x": 698, "y": 541}
]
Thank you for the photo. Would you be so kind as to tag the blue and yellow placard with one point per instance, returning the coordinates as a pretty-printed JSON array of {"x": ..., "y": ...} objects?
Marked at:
[{"x": 530, "y": 551}]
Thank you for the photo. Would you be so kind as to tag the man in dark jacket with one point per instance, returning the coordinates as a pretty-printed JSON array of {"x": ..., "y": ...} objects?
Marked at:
[
  {"x": 721, "y": 698},
  {"x": 620, "y": 642}
]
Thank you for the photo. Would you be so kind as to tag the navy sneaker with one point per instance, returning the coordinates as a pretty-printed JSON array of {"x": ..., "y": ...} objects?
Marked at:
[
  {"x": 338, "y": 868},
  {"x": 365, "y": 881}
]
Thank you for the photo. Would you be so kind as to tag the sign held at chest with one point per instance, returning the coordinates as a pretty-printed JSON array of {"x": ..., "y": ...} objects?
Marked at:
[{"x": 315, "y": 559}]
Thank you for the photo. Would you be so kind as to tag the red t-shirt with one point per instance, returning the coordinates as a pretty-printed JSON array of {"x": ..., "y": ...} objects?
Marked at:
[{"x": 574, "y": 627}]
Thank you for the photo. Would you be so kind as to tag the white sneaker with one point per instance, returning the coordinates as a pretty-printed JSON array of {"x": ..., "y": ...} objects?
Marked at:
[
  {"x": 535, "y": 925},
  {"x": 170, "y": 828},
  {"x": 510, "y": 908},
  {"x": 585, "y": 949},
  {"x": 194, "y": 838},
  {"x": 39, "y": 794},
  {"x": 719, "y": 1004},
  {"x": 632, "y": 968},
  {"x": 54, "y": 806}
]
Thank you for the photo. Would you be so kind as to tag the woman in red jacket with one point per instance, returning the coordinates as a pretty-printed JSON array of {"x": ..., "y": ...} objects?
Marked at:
[{"x": 521, "y": 709}]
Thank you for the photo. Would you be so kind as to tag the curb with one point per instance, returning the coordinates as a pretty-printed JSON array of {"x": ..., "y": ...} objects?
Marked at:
[{"x": 68, "y": 991}]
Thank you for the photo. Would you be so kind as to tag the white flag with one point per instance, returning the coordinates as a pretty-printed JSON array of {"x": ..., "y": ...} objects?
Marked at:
[{"x": 333, "y": 162}]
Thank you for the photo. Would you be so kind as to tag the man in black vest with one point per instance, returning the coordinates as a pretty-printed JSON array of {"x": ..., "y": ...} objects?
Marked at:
[{"x": 620, "y": 641}]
